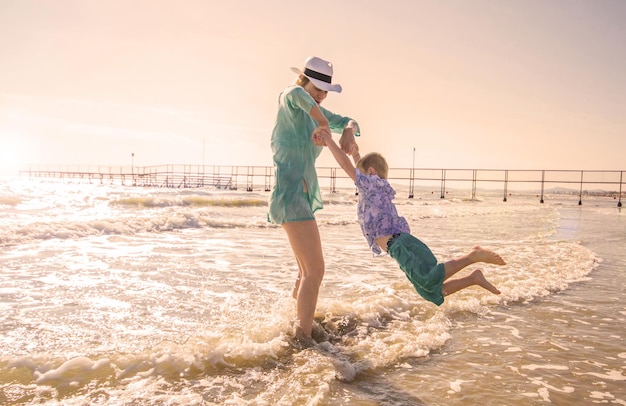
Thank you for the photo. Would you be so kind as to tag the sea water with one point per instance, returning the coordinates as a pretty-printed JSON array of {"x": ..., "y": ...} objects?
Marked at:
[{"x": 117, "y": 295}]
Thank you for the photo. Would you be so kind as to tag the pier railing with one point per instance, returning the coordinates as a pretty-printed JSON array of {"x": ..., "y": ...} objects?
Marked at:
[{"x": 580, "y": 183}]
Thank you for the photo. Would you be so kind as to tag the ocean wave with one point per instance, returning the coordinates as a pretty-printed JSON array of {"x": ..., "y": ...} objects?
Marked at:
[
  {"x": 204, "y": 201},
  {"x": 162, "y": 222},
  {"x": 374, "y": 332},
  {"x": 350, "y": 347},
  {"x": 194, "y": 201}
]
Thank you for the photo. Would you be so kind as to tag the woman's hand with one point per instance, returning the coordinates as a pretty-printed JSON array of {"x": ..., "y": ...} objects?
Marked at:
[{"x": 347, "y": 140}]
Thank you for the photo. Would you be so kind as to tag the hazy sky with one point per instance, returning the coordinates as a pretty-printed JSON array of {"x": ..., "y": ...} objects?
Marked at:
[{"x": 493, "y": 84}]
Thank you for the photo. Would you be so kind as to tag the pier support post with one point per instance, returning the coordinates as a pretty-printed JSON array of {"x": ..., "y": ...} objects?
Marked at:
[
  {"x": 250, "y": 179},
  {"x": 443, "y": 184},
  {"x": 269, "y": 172},
  {"x": 412, "y": 177},
  {"x": 619, "y": 199},
  {"x": 580, "y": 195},
  {"x": 506, "y": 184},
  {"x": 543, "y": 180},
  {"x": 333, "y": 180},
  {"x": 474, "y": 176},
  {"x": 411, "y": 183}
]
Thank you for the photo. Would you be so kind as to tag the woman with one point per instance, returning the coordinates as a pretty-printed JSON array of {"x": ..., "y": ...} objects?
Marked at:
[{"x": 296, "y": 194}]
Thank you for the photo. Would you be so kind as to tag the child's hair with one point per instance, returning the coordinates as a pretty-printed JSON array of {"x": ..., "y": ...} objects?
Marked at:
[{"x": 376, "y": 161}]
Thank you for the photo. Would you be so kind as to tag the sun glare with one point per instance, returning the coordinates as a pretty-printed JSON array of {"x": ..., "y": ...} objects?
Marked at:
[{"x": 11, "y": 154}]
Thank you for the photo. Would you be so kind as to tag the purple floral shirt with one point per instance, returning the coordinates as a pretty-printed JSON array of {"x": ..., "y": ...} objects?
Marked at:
[{"x": 377, "y": 214}]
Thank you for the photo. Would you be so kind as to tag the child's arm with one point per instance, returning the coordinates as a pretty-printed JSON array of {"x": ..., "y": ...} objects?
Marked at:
[
  {"x": 356, "y": 157},
  {"x": 342, "y": 159}
]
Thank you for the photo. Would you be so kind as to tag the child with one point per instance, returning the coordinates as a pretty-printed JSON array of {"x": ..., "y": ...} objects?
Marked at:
[{"x": 386, "y": 231}]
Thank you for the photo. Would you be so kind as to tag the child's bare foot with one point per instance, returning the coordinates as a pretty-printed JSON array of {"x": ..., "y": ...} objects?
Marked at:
[
  {"x": 479, "y": 279},
  {"x": 480, "y": 254}
]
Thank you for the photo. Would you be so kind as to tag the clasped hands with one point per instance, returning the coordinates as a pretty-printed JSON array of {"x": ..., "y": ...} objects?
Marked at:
[{"x": 346, "y": 142}]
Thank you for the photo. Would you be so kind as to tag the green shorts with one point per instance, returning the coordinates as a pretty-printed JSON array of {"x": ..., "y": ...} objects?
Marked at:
[{"x": 420, "y": 266}]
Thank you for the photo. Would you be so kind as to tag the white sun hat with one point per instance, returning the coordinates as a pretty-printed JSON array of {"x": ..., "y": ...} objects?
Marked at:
[{"x": 320, "y": 73}]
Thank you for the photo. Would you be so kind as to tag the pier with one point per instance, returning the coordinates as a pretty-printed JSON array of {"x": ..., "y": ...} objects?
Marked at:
[
  {"x": 580, "y": 183},
  {"x": 166, "y": 176}
]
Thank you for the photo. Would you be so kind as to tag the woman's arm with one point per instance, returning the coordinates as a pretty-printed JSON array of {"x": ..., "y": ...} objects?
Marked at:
[
  {"x": 322, "y": 123},
  {"x": 346, "y": 125},
  {"x": 317, "y": 115}
]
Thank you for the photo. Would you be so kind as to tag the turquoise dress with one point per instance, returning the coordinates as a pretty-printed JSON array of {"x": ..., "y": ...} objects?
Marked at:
[{"x": 294, "y": 154}]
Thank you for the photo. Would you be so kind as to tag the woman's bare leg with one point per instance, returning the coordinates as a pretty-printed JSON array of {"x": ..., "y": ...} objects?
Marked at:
[
  {"x": 296, "y": 287},
  {"x": 304, "y": 238}
]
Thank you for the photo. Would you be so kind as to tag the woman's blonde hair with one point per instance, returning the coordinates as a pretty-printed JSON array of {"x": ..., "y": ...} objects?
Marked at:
[
  {"x": 376, "y": 161},
  {"x": 302, "y": 80}
]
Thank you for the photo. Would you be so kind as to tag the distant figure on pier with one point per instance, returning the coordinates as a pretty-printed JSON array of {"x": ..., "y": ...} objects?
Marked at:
[
  {"x": 296, "y": 194},
  {"x": 386, "y": 231}
]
